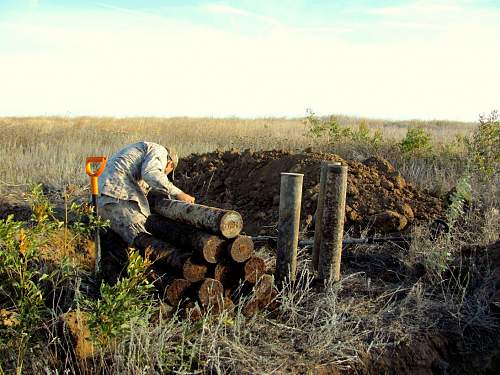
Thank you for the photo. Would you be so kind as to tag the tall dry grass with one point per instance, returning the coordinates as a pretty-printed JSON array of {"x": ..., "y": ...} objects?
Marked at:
[{"x": 52, "y": 150}]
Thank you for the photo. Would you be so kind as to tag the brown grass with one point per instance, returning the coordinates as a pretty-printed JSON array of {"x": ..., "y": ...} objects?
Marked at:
[{"x": 52, "y": 150}]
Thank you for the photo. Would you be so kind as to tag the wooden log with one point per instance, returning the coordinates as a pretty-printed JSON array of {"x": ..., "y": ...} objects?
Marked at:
[
  {"x": 194, "y": 271},
  {"x": 227, "y": 273},
  {"x": 176, "y": 291},
  {"x": 253, "y": 269},
  {"x": 332, "y": 230},
  {"x": 161, "y": 251},
  {"x": 210, "y": 292},
  {"x": 215, "y": 220},
  {"x": 192, "y": 311},
  {"x": 241, "y": 248},
  {"x": 288, "y": 226},
  {"x": 230, "y": 273},
  {"x": 262, "y": 296},
  {"x": 251, "y": 307},
  {"x": 208, "y": 246},
  {"x": 319, "y": 213},
  {"x": 226, "y": 305}
]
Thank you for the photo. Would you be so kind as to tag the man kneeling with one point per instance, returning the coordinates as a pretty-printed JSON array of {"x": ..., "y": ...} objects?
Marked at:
[{"x": 128, "y": 177}]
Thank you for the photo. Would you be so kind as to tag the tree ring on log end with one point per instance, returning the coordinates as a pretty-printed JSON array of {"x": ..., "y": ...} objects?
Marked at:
[
  {"x": 231, "y": 224},
  {"x": 241, "y": 249}
]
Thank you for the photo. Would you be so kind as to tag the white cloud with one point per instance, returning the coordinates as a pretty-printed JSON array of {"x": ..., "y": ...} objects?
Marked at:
[
  {"x": 225, "y": 9},
  {"x": 419, "y": 8},
  {"x": 233, "y": 11}
]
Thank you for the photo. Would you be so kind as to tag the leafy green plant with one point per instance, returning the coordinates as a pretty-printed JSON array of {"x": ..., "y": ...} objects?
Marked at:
[
  {"x": 127, "y": 303},
  {"x": 86, "y": 222},
  {"x": 363, "y": 135},
  {"x": 416, "y": 142},
  {"x": 42, "y": 209},
  {"x": 320, "y": 128},
  {"x": 21, "y": 295},
  {"x": 484, "y": 145},
  {"x": 315, "y": 127},
  {"x": 460, "y": 196}
]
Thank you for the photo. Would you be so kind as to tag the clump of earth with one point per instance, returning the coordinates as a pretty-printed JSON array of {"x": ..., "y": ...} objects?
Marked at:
[{"x": 378, "y": 197}]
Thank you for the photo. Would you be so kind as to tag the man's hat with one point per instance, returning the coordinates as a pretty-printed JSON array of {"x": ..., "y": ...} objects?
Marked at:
[{"x": 172, "y": 155}]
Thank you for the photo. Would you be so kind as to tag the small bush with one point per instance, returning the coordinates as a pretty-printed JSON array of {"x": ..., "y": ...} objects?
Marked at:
[
  {"x": 484, "y": 145},
  {"x": 128, "y": 303},
  {"x": 416, "y": 142},
  {"x": 335, "y": 133}
]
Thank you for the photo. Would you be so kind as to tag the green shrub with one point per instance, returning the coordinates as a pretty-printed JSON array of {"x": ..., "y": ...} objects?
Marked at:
[
  {"x": 416, "y": 142},
  {"x": 121, "y": 306},
  {"x": 22, "y": 294},
  {"x": 462, "y": 194},
  {"x": 335, "y": 133},
  {"x": 484, "y": 145}
]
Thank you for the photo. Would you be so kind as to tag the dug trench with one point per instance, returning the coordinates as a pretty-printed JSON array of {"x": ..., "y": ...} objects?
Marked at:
[{"x": 379, "y": 201}]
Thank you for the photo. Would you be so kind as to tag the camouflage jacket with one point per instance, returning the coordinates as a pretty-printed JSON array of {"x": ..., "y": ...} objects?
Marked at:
[{"x": 133, "y": 171}]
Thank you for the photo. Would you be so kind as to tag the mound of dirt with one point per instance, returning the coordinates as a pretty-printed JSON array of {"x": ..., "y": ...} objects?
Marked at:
[{"x": 378, "y": 197}]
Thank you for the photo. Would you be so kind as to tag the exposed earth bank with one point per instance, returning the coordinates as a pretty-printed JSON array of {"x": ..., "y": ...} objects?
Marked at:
[{"x": 378, "y": 197}]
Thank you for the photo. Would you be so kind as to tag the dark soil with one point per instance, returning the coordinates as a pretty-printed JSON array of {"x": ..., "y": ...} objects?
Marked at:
[{"x": 378, "y": 197}]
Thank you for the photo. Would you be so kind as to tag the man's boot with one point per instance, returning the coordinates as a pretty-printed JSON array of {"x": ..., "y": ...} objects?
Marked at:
[{"x": 163, "y": 253}]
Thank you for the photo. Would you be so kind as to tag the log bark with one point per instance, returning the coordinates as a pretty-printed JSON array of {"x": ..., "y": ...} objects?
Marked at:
[
  {"x": 176, "y": 291},
  {"x": 210, "y": 292},
  {"x": 288, "y": 226},
  {"x": 254, "y": 268},
  {"x": 319, "y": 213},
  {"x": 332, "y": 226},
  {"x": 209, "y": 246},
  {"x": 215, "y": 220},
  {"x": 228, "y": 273},
  {"x": 160, "y": 251},
  {"x": 193, "y": 271}
]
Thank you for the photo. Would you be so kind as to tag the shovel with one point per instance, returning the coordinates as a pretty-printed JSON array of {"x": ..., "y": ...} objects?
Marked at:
[{"x": 94, "y": 189}]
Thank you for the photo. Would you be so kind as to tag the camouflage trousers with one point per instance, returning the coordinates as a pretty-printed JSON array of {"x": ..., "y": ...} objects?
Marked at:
[{"x": 126, "y": 218}]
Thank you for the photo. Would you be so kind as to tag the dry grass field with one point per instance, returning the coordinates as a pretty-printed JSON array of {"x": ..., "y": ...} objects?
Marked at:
[
  {"x": 430, "y": 307},
  {"x": 52, "y": 150}
]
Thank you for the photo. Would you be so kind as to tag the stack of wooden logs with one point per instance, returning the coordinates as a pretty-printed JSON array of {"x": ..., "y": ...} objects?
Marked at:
[{"x": 222, "y": 269}]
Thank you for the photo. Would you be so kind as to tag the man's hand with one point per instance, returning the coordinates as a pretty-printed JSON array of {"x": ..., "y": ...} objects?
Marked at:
[{"x": 185, "y": 198}]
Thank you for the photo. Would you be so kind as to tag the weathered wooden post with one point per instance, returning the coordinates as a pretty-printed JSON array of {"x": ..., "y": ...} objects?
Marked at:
[
  {"x": 332, "y": 223},
  {"x": 319, "y": 213},
  {"x": 288, "y": 226}
]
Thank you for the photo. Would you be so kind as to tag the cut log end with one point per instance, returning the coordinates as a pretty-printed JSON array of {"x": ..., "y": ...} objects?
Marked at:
[
  {"x": 176, "y": 291},
  {"x": 254, "y": 268},
  {"x": 241, "y": 249},
  {"x": 194, "y": 272},
  {"x": 231, "y": 224},
  {"x": 213, "y": 249},
  {"x": 210, "y": 292},
  {"x": 263, "y": 296}
]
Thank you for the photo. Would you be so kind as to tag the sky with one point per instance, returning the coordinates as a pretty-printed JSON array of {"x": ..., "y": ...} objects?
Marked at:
[{"x": 392, "y": 59}]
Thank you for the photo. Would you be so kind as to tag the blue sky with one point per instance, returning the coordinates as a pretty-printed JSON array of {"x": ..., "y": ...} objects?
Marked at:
[{"x": 388, "y": 59}]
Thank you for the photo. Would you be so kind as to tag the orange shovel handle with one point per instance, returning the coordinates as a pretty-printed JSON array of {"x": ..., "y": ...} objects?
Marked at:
[{"x": 101, "y": 160}]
